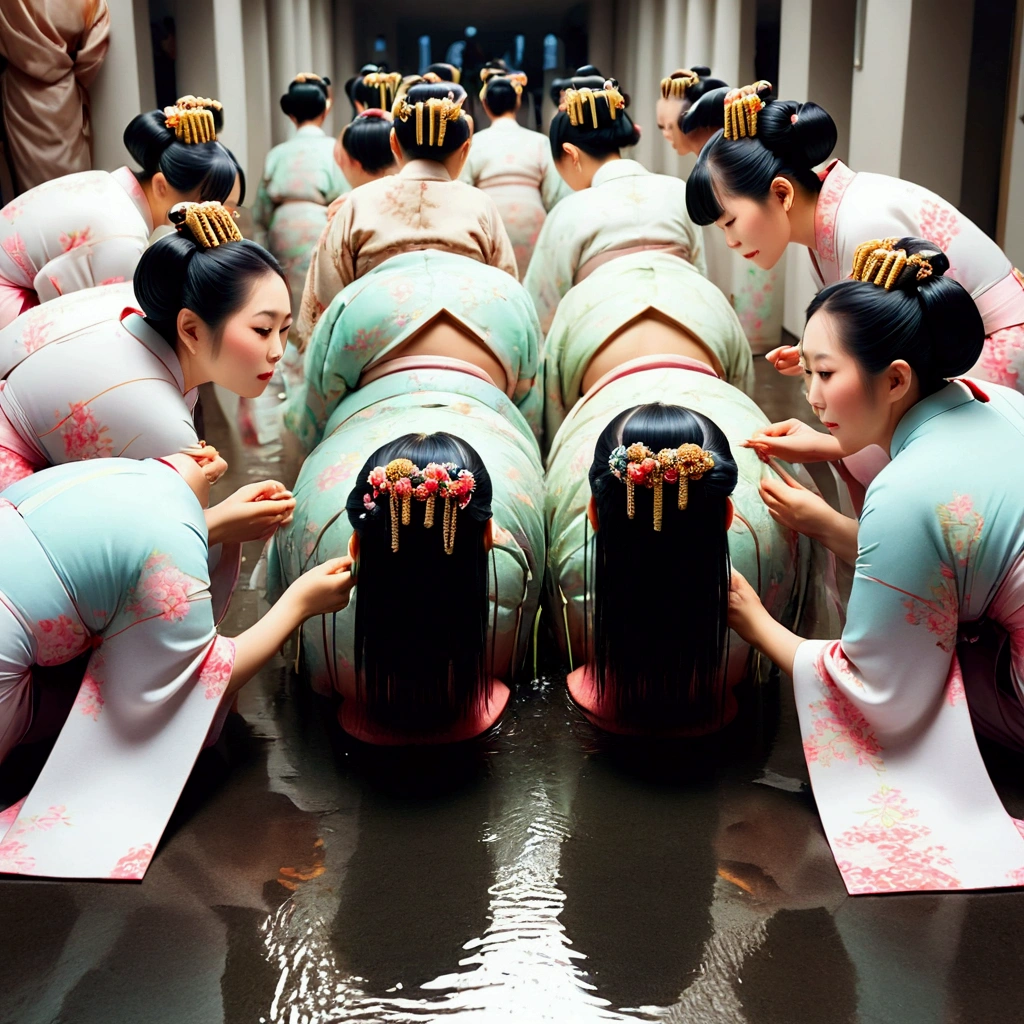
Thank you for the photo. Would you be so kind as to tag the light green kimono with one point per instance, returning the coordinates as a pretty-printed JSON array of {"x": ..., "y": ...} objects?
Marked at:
[{"x": 427, "y": 400}]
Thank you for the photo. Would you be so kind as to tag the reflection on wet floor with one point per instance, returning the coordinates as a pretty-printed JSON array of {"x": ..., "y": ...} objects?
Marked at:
[{"x": 546, "y": 874}]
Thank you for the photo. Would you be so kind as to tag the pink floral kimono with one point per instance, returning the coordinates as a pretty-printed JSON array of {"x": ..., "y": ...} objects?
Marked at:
[
  {"x": 130, "y": 584},
  {"x": 70, "y": 233},
  {"x": 932, "y": 652},
  {"x": 854, "y": 207},
  {"x": 418, "y": 208}
]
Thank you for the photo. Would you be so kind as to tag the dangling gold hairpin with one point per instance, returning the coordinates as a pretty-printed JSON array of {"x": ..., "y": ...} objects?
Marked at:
[
  {"x": 741, "y": 109},
  {"x": 191, "y": 125},
  {"x": 576, "y": 98},
  {"x": 386, "y": 82},
  {"x": 676, "y": 84},
  {"x": 210, "y": 223},
  {"x": 879, "y": 262},
  {"x": 437, "y": 110}
]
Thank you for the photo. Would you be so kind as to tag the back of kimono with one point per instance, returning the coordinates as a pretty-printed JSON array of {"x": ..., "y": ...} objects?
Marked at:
[
  {"x": 427, "y": 401},
  {"x": 782, "y": 565}
]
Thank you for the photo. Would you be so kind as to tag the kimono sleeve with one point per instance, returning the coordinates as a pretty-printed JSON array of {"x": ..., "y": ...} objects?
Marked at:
[
  {"x": 894, "y": 658},
  {"x": 552, "y": 266},
  {"x": 502, "y": 254},
  {"x": 695, "y": 238},
  {"x": 324, "y": 278},
  {"x": 263, "y": 207}
]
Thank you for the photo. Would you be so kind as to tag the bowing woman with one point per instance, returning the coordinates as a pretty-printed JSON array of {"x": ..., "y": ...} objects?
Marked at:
[
  {"x": 111, "y": 558},
  {"x": 755, "y": 181},
  {"x": 91, "y": 228},
  {"x": 932, "y": 649},
  {"x": 619, "y": 206},
  {"x": 424, "y": 206}
]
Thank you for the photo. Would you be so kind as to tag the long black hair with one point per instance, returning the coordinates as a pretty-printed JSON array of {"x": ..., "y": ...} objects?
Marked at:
[
  {"x": 792, "y": 138},
  {"x": 610, "y": 135},
  {"x": 661, "y": 598},
  {"x": 932, "y": 322},
  {"x": 176, "y": 273},
  {"x": 421, "y": 615},
  {"x": 456, "y": 132},
  {"x": 367, "y": 139},
  {"x": 209, "y": 167},
  {"x": 306, "y": 98}
]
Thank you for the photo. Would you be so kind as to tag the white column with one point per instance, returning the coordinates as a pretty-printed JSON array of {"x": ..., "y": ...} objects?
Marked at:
[
  {"x": 673, "y": 46},
  {"x": 601, "y": 36},
  {"x": 257, "y": 90},
  {"x": 1011, "y": 207},
  {"x": 229, "y": 60},
  {"x": 115, "y": 97},
  {"x": 642, "y": 85},
  {"x": 323, "y": 55},
  {"x": 303, "y": 39},
  {"x": 281, "y": 34},
  {"x": 144, "y": 54},
  {"x": 700, "y": 20}
]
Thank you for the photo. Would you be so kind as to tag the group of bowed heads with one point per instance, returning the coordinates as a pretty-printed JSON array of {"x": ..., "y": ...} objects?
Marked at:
[{"x": 476, "y": 448}]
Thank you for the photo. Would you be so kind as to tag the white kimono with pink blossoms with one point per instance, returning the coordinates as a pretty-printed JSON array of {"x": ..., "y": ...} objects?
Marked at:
[
  {"x": 108, "y": 558},
  {"x": 856, "y": 207},
  {"x": 70, "y": 233},
  {"x": 932, "y": 652}
]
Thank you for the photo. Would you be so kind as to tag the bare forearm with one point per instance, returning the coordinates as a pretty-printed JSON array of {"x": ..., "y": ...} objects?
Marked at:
[
  {"x": 775, "y": 641},
  {"x": 258, "y": 644},
  {"x": 839, "y": 534}
]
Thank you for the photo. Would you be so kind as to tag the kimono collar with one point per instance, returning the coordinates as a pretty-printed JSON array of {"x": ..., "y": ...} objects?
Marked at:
[
  {"x": 310, "y": 129},
  {"x": 835, "y": 180},
  {"x": 135, "y": 324},
  {"x": 424, "y": 170},
  {"x": 618, "y": 169},
  {"x": 952, "y": 396},
  {"x": 124, "y": 177}
]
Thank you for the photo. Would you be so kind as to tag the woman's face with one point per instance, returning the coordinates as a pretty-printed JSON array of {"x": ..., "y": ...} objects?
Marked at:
[
  {"x": 850, "y": 405},
  {"x": 668, "y": 113},
  {"x": 758, "y": 231},
  {"x": 252, "y": 339}
]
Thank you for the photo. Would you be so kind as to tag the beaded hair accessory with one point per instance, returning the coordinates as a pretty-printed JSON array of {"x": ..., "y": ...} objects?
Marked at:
[
  {"x": 639, "y": 466},
  {"x": 438, "y": 113},
  {"x": 879, "y": 262},
  {"x": 576, "y": 100},
  {"x": 211, "y": 225},
  {"x": 192, "y": 122},
  {"x": 676, "y": 84},
  {"x": 403, "y": 481},
  {"x": 387, "y": 82},
  {"x": 741, "y": 109}
]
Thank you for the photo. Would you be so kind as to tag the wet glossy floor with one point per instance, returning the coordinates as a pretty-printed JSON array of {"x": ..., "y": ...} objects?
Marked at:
[{"x": 548, "y": 876}]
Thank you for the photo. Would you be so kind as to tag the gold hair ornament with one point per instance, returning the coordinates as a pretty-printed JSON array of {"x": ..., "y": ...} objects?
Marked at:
[
  {"x": 308, "y": 76},
  {"x": 191, "y": 102},
  {"x": 577, "y": 100},
  {"x": 879, "y": 262},
  {"x": 639, "y": 466},
  {"x": 741, "y": 109},
  {"x": 676, "y": 84},
  {"x": 386, "y": 82},
  {"x": 191, "y": 125},
  {"x": 517, "y": 80},
  {"x": 438, "y": 112},
  {"x": 210, "y": 223}
]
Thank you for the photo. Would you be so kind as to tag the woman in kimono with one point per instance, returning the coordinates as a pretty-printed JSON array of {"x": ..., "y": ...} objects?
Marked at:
[
  {"x": 476, "y": 624},
  {"x": 629, "y": 553},
  {"x": 90, "y": 228},
  {"x": 690, "y": 110},
  {"x": 111, "y": 558},
  {"x": 418, "y": 304},
  {"x": 363, "y": 151},
  {"x": 645, "y": 304},
  {"x": 619, "y": 206},
  {"x": 513, "y": 165},
  {"x": 300, "y": 180},
  {"x": 423, "y": 207},
  {"x": 761, "y": 190},
  {"x": 931, "y": 652}
]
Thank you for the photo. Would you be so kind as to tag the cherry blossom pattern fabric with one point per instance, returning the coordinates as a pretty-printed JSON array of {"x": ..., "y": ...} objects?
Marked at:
[
  {"x": 513, "y": 166},
  {"x": 110, "y": 558},
  {"x": 626, "y": 208},
  {"x": 886, "y": 712},
  {"x": 375, "y": 316},
  {"x": 422, "y": 400},
  {"x": 786, "y": 569}
]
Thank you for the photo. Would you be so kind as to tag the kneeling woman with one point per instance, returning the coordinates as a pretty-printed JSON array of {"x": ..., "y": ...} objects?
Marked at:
[
  {"x": 935, "y": 633},
  {"x": 447, "y": 610},
  {"x": 433, "y": 304},
  {"x": 642, "y": 604},
  {"x": 111, "y": 558}
]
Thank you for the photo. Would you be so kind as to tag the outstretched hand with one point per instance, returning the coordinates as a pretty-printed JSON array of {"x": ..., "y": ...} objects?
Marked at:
[
  {"x": 793, "y": 441},
  {"x": 325, "y": 588},
  {"x": 744, "y": 607},
  {"x": 786, "y": 359},
  {"x": 253, "y": 512}
]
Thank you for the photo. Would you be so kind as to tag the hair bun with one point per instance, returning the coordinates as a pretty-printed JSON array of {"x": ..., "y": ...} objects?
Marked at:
[{"x": 801, "y": 134}]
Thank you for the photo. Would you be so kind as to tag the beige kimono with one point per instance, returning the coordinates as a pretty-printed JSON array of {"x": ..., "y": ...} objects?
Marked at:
[{"x": 418, "y": 208}]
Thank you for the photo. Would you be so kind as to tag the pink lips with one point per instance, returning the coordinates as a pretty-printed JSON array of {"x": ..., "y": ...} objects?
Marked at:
[
  {"x": 830, "y": 426},
  {"x": 266, "y": 376},
  {"x": 751, "y": 255}
]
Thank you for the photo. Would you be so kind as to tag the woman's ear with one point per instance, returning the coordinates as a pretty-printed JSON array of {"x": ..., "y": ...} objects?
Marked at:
[
  {"x": 159, "y": 184},
  {"x": 730, "y": 511},
  {"x": 572, "y": 152},
  {"x": 353, "y": 545},
  {"x": 782, "y": 189},
  {"x": 189, "y": 328},
  {"x": 592, "y": 514},
  {"x": 489, "y": 535},
  {"x": 898, "y": 378},
  {"x": 396, "y": 146}
]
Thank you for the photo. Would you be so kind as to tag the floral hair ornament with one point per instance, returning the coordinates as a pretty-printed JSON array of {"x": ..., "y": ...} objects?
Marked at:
[
  {"x": 880, "y": 262},
  {"x": 577, "y": 99},
  {"x": 192, "y": 121},
  {"x": 741, "y": 109},
  {"x": 386, "y": 82},
  {"x": 403, "y": 480},
  {"x": 639, "y": 466},
  {"x": 439, "y": 111},
  {"x": 210, "y": 223},
  {"x": 676, "y": 84}
]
